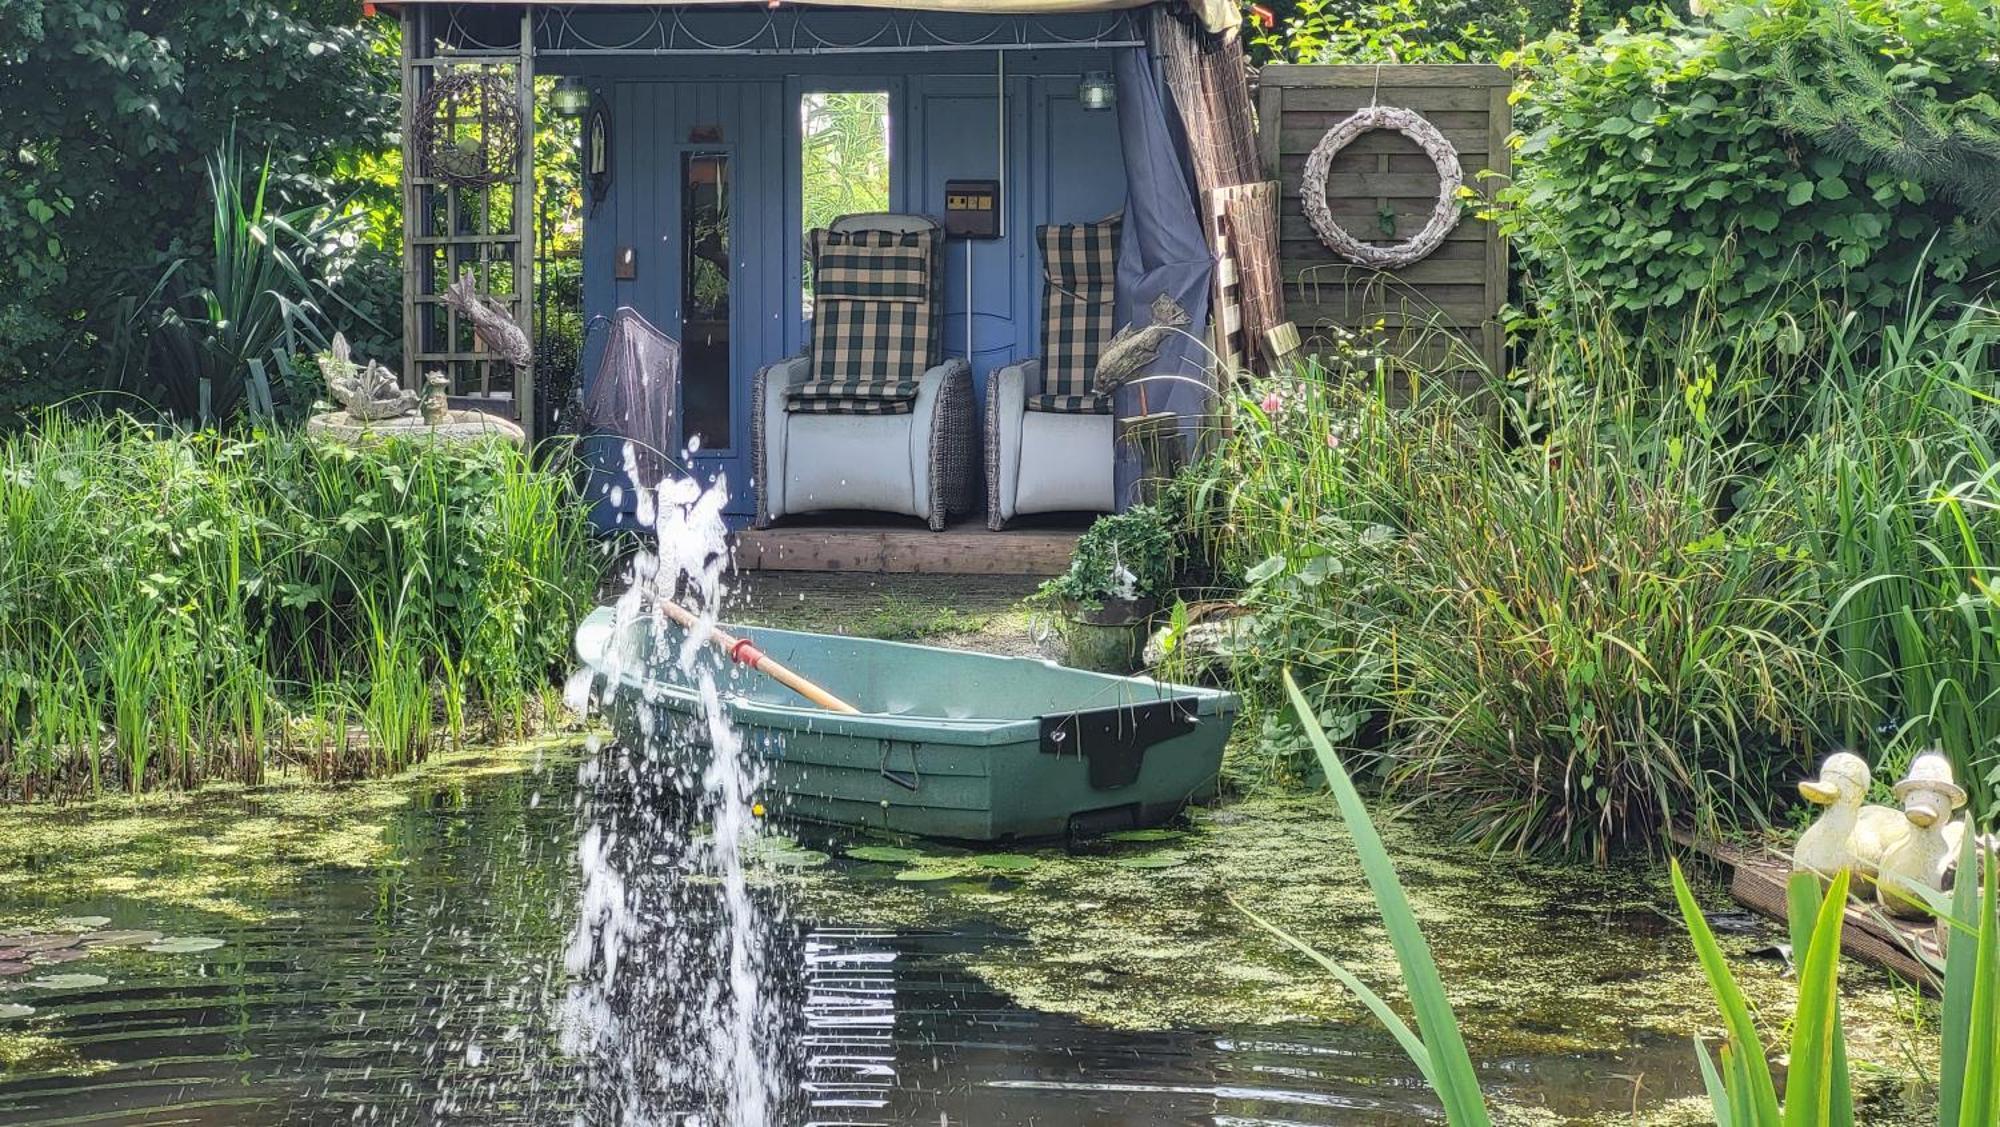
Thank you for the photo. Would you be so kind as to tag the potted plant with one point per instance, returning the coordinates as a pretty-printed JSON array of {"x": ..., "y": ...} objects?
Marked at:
[{"x": 1104, "y": 603}]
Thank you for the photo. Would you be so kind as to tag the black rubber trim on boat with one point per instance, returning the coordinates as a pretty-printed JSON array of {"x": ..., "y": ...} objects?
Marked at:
[{"x": 1114, "y": 740}]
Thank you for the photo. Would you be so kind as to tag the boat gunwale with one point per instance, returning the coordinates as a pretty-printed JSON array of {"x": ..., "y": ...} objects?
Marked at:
[{"x": 984, "y": 731}]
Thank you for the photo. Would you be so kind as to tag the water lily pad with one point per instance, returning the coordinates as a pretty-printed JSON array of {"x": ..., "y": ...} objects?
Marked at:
[
  {"x": 130, "y": 938},
  {"x": 1146, "y": 835},
  {"x": 1005, "y": 862},
  {"x": 1159, "y": 859},
  {"x": 68, "y": 981},
  {"x": 59, "y": 955},
  {"x": 889, "y": 854},
  {"x": 81, "y": 923},
  {"x": 25, "y": 945},
  {"x": 931, "y": 872},
  {"x": 783, "y": 853},
  {"x": 11, "y": 1011},
  {"x": 11, "y": 967},
  {"x": 183, "y": 945}
]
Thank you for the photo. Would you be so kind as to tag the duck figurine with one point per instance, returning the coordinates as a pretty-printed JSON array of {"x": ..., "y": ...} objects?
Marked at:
[
  {"x": 1920, "y": 861},
  {"x": 1848, "y": 834}
]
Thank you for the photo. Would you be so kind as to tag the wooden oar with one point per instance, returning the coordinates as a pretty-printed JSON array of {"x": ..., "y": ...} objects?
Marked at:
[{"x": 743, "y": 653}]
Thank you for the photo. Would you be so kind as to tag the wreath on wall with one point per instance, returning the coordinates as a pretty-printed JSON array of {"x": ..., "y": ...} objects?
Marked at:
[
  {"x": 468, "y": 128},
  {"x": 1444, "y": 214}
]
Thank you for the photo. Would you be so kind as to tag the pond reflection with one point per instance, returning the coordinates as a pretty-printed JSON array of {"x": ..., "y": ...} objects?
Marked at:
[{"x": 431, "y": 988}]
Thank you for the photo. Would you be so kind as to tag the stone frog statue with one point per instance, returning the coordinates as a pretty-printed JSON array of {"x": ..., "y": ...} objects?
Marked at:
[
  {"x": 1923, "y": 858},
  {"x": 1848, "y": 834}
]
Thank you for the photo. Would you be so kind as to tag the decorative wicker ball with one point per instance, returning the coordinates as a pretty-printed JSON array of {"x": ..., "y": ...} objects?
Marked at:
[
  {"x": 1444, "y": 215},
  {"x": 468, "y": 128}
]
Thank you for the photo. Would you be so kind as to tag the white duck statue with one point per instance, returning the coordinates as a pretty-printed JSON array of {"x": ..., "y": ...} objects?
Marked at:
[
  {"x": 1925, "y": 855},
  {"x": 1848, "y": 834}
]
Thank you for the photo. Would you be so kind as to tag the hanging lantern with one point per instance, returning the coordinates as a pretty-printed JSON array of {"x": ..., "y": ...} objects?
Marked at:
[
  {"x": 572, "y": 96},
  {"x": 1096, "y": 91}
]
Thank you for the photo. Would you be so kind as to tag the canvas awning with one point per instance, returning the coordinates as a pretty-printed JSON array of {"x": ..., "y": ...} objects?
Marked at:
[{"x": 1219, "y": 16}]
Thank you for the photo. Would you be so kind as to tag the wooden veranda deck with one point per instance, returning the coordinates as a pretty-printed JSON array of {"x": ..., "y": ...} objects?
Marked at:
[{"x": 862, "y": 542}]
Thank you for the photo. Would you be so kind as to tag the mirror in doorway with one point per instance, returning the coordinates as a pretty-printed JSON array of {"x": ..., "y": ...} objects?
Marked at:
[{"x": 705, "y": 276}]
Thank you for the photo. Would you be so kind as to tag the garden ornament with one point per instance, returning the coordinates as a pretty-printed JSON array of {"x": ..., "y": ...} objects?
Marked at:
[
  {"x": 1922, "y": 859},
  {"x": 1130, "y": 350},
  {"x": 436, "y": 407},
  {"x": 367, "y": 393},
  {"x": 1848, "y": 835},
  {"x": 494, "y": 324}
]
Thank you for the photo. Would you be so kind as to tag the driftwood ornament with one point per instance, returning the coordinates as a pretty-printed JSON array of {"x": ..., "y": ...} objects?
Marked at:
[{"x": 1444, "y": 215}]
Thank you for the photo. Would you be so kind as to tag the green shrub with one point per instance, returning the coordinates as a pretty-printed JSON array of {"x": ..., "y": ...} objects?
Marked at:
[
  {"x": 102, "y": 136},
  {"x": 1655, "y": 171},
  {"x": 200, "y": 596},
  {"x": 1569, "y": 641},
  {"x": 1131, "y": 555}
]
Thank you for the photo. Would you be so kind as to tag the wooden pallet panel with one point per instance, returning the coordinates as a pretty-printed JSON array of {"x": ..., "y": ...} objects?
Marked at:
[{"x": 1456, "y": 291}]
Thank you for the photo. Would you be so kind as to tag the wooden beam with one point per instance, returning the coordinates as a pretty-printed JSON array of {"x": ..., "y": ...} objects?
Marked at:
[{"x": 966, "y": 551}]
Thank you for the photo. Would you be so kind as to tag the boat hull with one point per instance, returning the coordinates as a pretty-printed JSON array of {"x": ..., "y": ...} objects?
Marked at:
[{"x": 949, "y": 744}]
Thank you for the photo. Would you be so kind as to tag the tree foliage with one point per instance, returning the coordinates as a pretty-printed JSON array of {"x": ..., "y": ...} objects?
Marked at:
[
  {"x": 1662, "y": 167},
  {"x": 108, "y": 111}
]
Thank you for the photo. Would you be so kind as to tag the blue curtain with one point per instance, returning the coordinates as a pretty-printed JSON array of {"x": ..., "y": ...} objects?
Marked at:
[{"x": 1161, "y": 250}]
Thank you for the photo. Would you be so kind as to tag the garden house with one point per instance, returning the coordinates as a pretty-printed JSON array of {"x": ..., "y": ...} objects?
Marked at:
[{"x": 944, "y": 210}]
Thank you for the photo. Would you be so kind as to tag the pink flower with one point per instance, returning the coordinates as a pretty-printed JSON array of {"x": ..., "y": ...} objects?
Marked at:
[
  {"x": 1333, "y": 440},
  {"x": 1271, "y": 403}
]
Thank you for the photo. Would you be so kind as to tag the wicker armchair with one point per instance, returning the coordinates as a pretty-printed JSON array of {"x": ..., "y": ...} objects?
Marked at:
[
  {"x": 871, "y": 416},
  {"x": 1050, "y": 433}
]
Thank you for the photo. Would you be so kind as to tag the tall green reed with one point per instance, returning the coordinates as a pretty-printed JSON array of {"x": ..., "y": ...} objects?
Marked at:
[
  {"x": 168, "y": 599},
  {"x": 1559, "y": 608},
  {"x": 1896, "y": 483}
]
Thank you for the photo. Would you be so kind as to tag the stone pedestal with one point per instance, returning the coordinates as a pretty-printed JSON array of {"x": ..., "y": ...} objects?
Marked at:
[{"x": 459, "y": 427}]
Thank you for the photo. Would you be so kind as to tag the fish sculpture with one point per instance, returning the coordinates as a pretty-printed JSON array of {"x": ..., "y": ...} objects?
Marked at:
[
  {"x": 494, "y": 324},
  {"x": 1130, "y": 350}
]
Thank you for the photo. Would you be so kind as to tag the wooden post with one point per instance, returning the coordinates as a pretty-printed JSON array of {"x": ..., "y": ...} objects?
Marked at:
[
  {"x": 524, "y": 223},
  {"x": 413, "y": 23}
]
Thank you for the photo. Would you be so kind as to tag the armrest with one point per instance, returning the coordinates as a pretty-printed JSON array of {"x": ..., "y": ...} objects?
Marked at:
[
  {"x": 768, "y": 401},
  {"x": 1006, "y": 404},
  {"x": 930, "y": 399}
]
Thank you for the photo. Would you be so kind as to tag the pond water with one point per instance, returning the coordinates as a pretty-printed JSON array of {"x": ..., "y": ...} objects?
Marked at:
[{"x": 427, "y": 985}]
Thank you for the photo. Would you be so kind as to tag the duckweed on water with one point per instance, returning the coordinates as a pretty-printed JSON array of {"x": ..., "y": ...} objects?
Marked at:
[
  {"x": 1538, "y": 959},
  {"x": 224, "y": 848}
]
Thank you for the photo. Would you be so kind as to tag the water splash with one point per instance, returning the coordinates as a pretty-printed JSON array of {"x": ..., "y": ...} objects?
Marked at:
[{"x": 671, "y": 1006}]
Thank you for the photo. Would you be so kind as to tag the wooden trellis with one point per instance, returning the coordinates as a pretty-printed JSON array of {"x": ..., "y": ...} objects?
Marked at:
[{"x": 450, "y": 231}]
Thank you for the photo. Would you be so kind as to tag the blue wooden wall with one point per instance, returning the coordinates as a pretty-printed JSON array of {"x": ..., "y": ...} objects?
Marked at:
[{"x": 1062, "y": 165}]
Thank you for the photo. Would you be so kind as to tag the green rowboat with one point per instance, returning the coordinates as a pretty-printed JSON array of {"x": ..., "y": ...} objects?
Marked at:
[{"x": 948, "y": 743}]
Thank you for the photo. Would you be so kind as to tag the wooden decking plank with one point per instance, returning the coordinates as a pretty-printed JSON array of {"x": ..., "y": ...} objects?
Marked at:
[{"x": 955, "y": 551}]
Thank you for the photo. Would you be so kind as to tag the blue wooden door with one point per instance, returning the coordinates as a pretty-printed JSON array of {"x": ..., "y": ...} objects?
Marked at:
[
  {"x": 717, "y": 150},
  {"x": 690, "y": 236}
]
